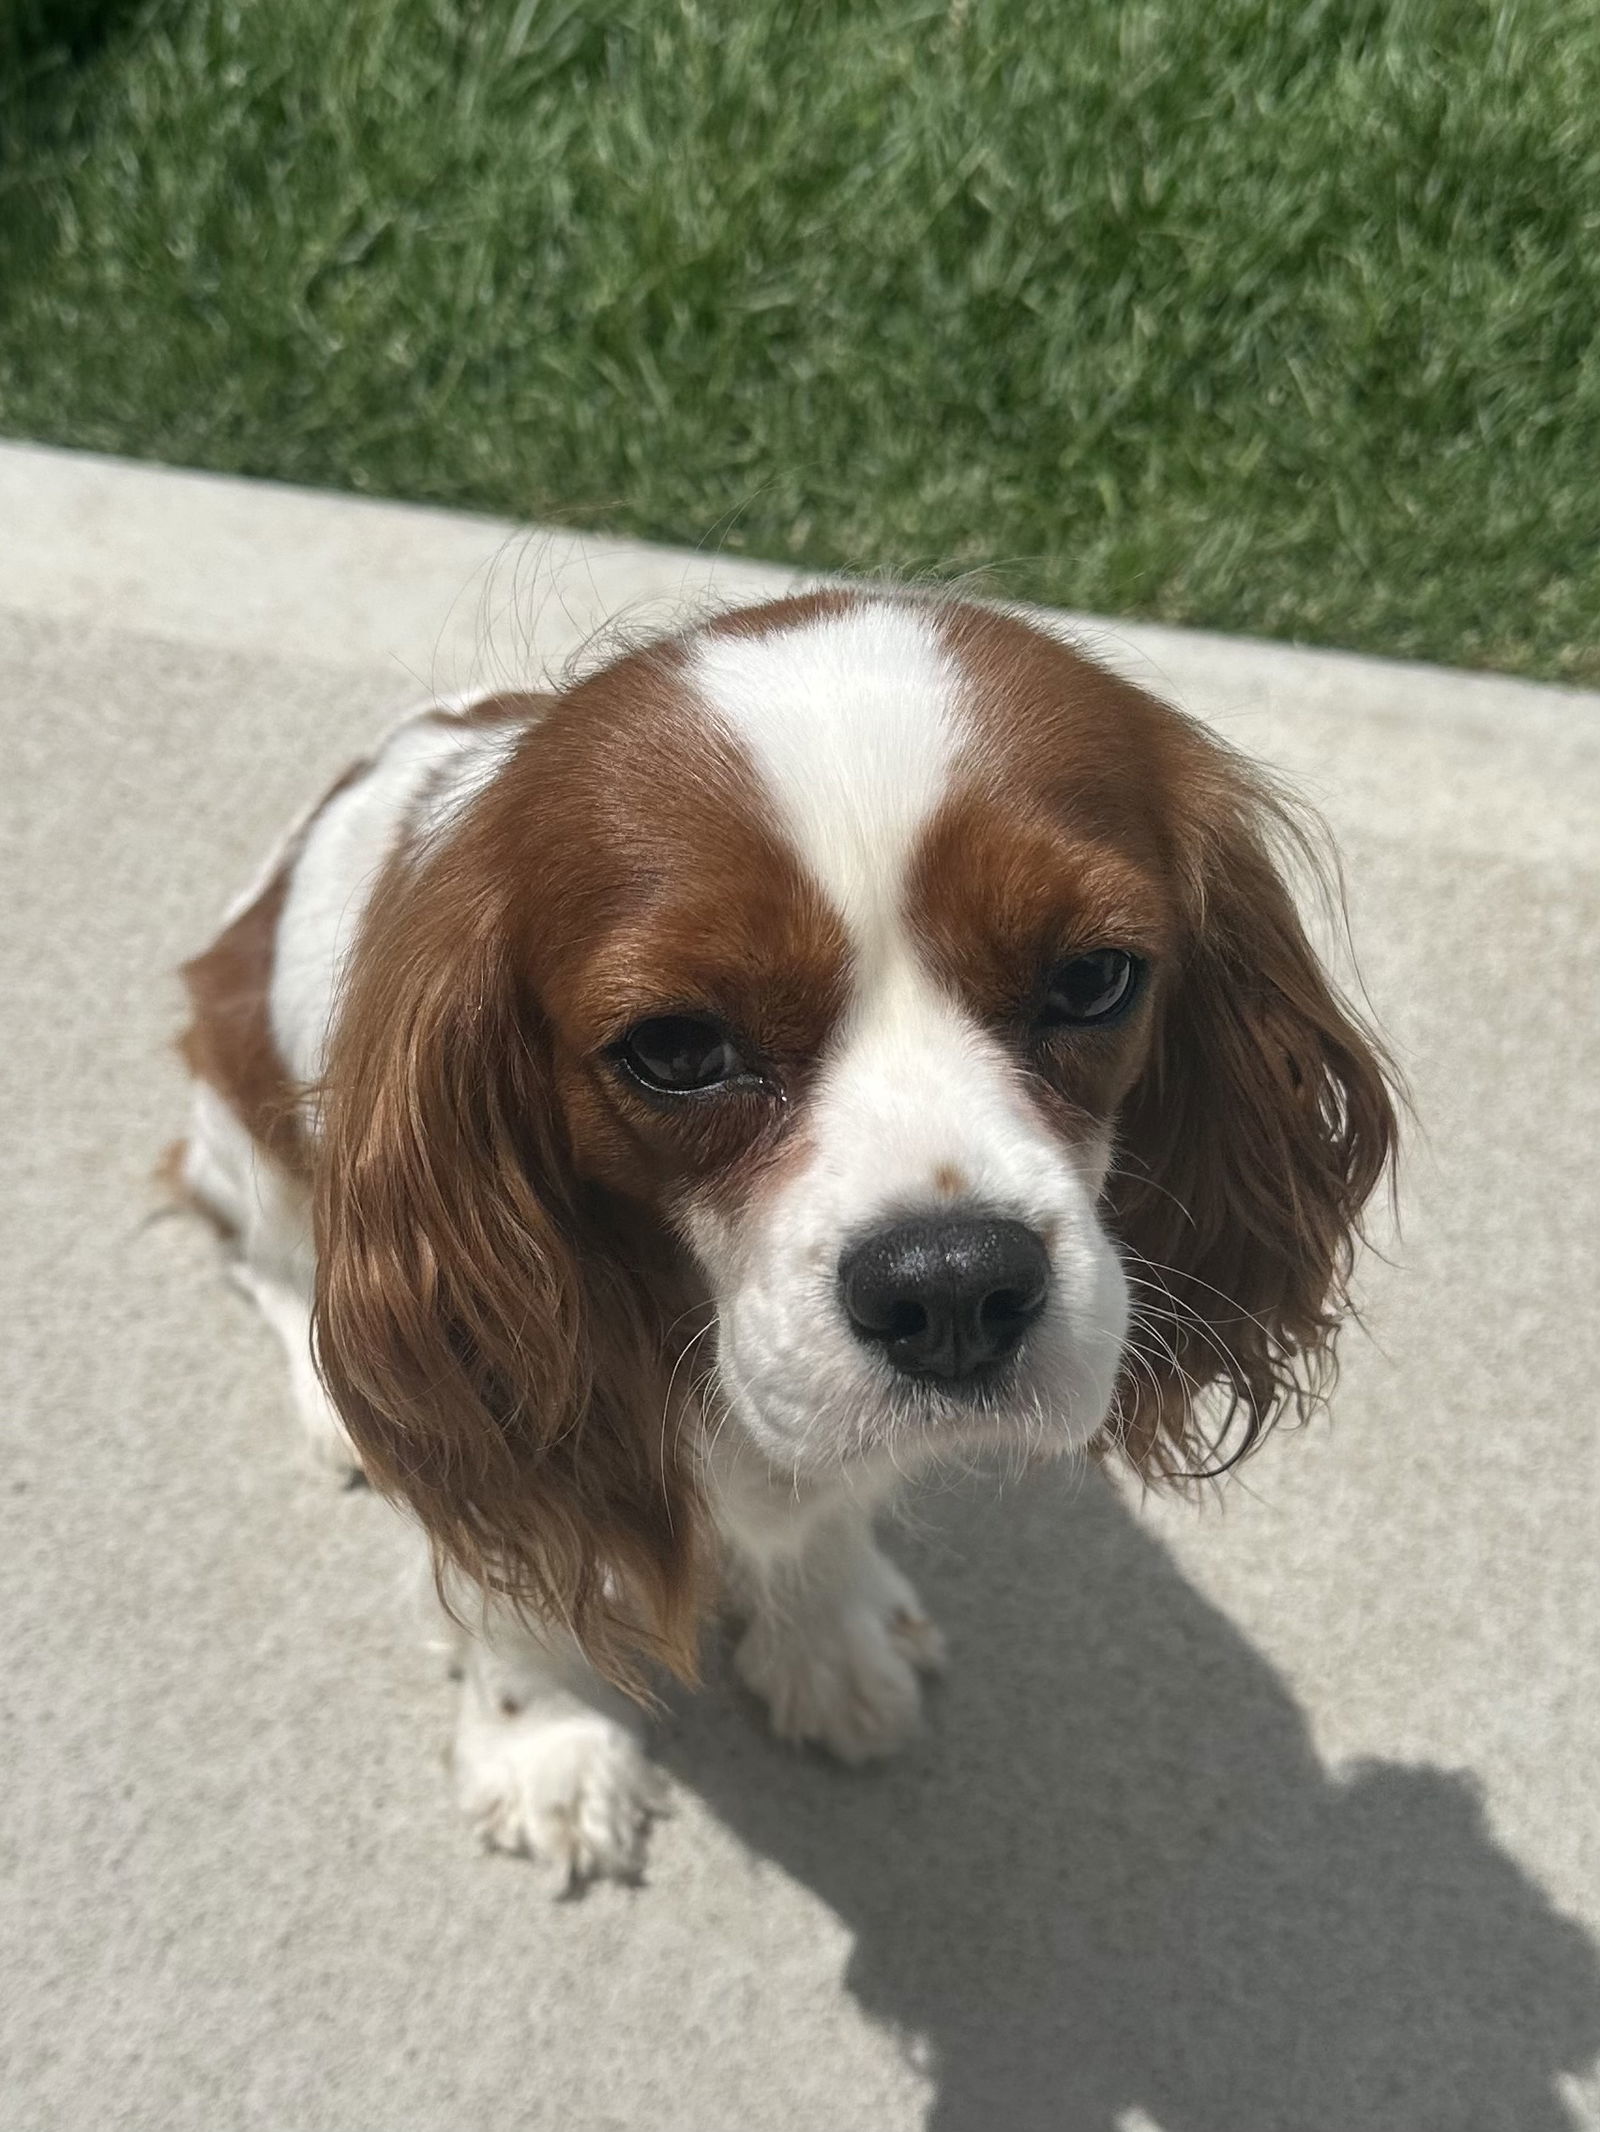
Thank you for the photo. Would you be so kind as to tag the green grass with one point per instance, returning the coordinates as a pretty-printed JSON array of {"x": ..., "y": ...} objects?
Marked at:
[{"x": 1273, "y": 317}]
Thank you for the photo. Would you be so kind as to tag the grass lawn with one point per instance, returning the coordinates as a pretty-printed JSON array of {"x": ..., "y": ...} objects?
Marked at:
[{"x": 1274, "y": 317}]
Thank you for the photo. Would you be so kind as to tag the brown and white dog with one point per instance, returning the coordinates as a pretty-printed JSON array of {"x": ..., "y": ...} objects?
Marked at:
[{"x": 853, "y": 1034}]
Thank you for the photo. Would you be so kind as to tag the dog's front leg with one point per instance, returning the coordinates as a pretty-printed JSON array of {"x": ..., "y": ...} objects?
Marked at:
[
  {"x": 835, "y": 1637},
  {"x": 548, "y": 1759}
]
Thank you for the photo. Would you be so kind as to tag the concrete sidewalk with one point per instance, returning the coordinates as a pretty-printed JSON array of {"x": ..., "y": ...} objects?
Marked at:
[{"x": 1278, "y": 1816}]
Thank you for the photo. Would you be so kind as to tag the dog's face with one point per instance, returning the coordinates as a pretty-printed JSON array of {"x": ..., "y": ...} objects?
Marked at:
[
  {"x": 858, "y": 1020},
  {"x": 864, "y": 1010}
]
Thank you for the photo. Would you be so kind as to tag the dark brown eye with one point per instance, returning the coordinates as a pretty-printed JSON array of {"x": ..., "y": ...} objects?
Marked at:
[
  {"x": 680, "y": 1055},
  {"x": 1089, "y": 991}
]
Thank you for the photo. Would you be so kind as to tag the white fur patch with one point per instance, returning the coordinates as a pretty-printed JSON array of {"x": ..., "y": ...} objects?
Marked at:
[
  {"x": 480, "y": 754},
  {"x": 853, "y": 722},
  {"x": 418, "y": 786},
  {"x": 269, "y": 1214}
]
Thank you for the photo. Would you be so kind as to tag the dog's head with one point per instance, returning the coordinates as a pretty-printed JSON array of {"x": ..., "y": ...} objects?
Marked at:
[{"x": 860, "y": 1023}]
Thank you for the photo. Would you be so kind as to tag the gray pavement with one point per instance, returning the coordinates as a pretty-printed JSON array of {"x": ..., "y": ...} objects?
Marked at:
[{"x": 1273, "y": 1815}]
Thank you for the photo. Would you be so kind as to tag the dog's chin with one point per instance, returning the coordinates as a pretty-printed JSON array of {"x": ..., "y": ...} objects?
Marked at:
[
  {"x": 912, "y": 1425},
  {"x": 1005, "y": 1415}
]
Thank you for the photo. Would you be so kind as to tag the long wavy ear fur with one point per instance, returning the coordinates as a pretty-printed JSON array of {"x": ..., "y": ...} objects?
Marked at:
[
  {"x": 1249, "y": 1149},
  {"x": 497, "y": 1361}
]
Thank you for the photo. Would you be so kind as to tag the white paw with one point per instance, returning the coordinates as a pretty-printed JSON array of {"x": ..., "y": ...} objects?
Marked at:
[
  {"x": 847, "y": 1679},
  {"x": 568, "y": 1786}
]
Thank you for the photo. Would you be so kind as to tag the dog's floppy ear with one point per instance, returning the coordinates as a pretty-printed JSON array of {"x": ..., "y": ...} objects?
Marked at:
[
  {"x": 498, "y": 1363},
  {"x": 1249, "y": 1147}
]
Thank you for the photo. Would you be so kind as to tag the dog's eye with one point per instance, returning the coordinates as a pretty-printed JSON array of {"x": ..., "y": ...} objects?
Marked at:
[
  {"x": 681, "y": 1055},
  {"x": 1091, "y": 990}
]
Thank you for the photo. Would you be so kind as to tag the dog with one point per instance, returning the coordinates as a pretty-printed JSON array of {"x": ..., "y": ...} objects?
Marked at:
[{"x": 851, "y": 1035}]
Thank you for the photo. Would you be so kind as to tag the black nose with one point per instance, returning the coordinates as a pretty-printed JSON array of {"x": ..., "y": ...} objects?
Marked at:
[{"x": 948, "y": 1297}]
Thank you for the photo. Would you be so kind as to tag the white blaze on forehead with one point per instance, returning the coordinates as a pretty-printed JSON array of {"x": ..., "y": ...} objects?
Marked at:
[{"x": 853, "y": 721}]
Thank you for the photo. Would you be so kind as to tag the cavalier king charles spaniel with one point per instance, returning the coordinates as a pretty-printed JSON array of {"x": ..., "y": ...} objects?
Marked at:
[{"x": 852, "y": 1035}]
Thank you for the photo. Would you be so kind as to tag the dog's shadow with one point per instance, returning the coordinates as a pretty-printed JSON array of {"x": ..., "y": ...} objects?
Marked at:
[{"x": 1116, "y": 1886}]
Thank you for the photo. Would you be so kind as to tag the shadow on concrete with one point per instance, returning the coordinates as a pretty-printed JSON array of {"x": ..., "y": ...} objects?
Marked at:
[{"x": 1116, "y": 1879}]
